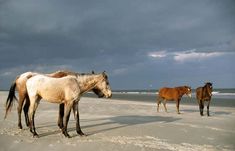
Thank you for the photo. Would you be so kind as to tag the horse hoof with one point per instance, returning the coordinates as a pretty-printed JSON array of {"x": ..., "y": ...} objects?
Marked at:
[
  {"x": 84, "y": 135},
  {"x": 60, "y": 127},
  {"x": 20, "y": 126},
  {"x": 66, "y": 135},
  {"x": 81, "y": 133},
  {"x": 35, "y": 136}
]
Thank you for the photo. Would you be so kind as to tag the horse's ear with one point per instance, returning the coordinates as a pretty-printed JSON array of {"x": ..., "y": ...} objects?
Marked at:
[{"x": 105, "y": 75}]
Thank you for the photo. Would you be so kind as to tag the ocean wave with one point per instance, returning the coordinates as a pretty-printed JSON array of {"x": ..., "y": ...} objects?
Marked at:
[{"x": 217, "y": 93}]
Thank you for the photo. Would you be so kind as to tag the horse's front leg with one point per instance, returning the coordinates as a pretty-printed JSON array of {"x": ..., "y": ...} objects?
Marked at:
[
  {"x": 178, "y": 105},
  {"x": 208, "y": 105},
  {"x": 201, "y": 107},
  {"x": 76, "y": 116},
  {"x": 68, "y": 107},
  {"x": 61, "y": 116},
  {"x": 32, "y": 110}
]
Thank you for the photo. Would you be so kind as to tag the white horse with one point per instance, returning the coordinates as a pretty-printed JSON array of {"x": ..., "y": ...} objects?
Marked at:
[
  {"x": 66, "y": 90},
  {"x": 20, "y": 84}
]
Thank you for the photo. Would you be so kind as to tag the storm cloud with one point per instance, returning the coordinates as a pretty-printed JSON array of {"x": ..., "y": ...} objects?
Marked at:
[{"x": 140, "y": 44}]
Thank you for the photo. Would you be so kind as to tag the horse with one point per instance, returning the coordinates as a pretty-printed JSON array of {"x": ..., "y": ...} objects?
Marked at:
[
  {"x": 20, "y": 84},
  {"x": 67, "y": 90},
  {"x": 204, "y": 94},
  {"x": 174, "y": 94}
]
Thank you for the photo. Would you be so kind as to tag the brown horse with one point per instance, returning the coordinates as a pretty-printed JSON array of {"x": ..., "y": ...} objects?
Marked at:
[
  {"x": 174, "y": 94},
  {"x": 20, "y": 84},
  {"x": 204, "y": 94},
  {"x": 67, "y": 90}
]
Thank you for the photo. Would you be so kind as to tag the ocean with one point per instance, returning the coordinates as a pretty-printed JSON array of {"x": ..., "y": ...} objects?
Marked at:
[{"x": 220, "y": 97}]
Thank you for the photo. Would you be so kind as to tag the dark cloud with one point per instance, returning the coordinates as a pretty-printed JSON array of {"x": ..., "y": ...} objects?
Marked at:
[{"x": 117, "y": 36}]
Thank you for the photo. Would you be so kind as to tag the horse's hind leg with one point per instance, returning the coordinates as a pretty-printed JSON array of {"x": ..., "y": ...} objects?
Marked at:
[
  {"x": 158, "y": 103},
  {"x": 76, "y": 115},
  {"x": 19, "y": 108},
  {"x": 61, "y": 116},
  {"x": 164, "y": 104},
  {"x": 26, "y": 109}
]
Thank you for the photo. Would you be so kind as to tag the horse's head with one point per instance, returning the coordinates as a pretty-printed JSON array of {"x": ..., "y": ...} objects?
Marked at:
[
  {"x": 209, "y": 88},
  {"x": 188, "y": 91},
  {"x": 96, "y": 90},
  {"x": 102, "y": 88}
]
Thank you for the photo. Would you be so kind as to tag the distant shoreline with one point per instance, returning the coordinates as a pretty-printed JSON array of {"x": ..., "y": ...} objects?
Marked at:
[{"x": 218, "y": 99}]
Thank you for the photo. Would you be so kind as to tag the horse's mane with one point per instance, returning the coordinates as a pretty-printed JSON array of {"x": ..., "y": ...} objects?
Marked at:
[
  {"x": 208, "y": 83},
  {"x": 182, "y": 87}
]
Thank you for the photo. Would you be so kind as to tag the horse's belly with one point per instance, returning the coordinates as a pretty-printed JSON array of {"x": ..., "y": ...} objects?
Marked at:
[
  {"x": 53, "y": 97},
  {"x": 168, "y": 97}
]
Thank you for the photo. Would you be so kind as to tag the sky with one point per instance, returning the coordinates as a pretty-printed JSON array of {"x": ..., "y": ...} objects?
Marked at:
[{"x": 141, "y": 44}]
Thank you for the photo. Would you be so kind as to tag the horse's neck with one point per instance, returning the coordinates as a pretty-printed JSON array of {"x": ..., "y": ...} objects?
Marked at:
[
  {"x": 182, "y": 91},
  {"x": 88, "y": 82},
  {"x": 206, "y": 90}
]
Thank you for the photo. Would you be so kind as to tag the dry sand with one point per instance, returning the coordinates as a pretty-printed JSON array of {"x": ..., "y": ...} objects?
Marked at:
[{"x": 114, "y": 125}]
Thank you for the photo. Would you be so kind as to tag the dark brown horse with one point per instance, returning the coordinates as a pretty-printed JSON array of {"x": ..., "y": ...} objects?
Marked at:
[
  {"x": 20, "y": 84},
  {"x": 172, "y": 94},
  {"x": 204, "y": 94}
]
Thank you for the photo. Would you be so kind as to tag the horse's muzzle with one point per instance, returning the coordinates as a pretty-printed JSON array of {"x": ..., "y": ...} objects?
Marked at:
[
  {"x": 190, "y": 95},
  {"x": 110, "y": 96}
]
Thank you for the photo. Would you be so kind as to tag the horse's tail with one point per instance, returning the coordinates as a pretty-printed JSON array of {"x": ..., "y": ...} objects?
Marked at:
[
  {"x": 159, "y": 100},
  {"x": 10, "y": 98}
]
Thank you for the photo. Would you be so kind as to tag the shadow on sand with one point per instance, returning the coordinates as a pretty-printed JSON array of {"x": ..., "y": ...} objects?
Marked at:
[
  {"x": 190, "y": 110},
  {"x": 111, "y": 123},
  {"x": 221, "y": 113}
]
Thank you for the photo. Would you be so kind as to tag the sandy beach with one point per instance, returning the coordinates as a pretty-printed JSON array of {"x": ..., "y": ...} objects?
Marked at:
[{"x": 113, "y": 124}]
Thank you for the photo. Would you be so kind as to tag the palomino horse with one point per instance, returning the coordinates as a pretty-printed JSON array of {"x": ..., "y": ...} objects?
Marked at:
[
  {"x": 20, "y": 84},
  {"x": 67, "y": 90},
  {"x": 204, "y": 94},
  {"x": 174, "y": 94}
]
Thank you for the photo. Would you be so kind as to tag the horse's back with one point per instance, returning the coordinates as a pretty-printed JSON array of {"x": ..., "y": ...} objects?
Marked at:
[
  {"x": 60, "y": 74},
  {"x": 167, "y": 93},
  {"x": 202, "y": 94},
  {"x": 199, "y": 93},
  {"x": 53, "y": 89},
  {"x": 22, "y": 79}
]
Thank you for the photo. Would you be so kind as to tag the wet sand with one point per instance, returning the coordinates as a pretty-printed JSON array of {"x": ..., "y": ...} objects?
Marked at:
[{"x": 113, "y": 124}]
